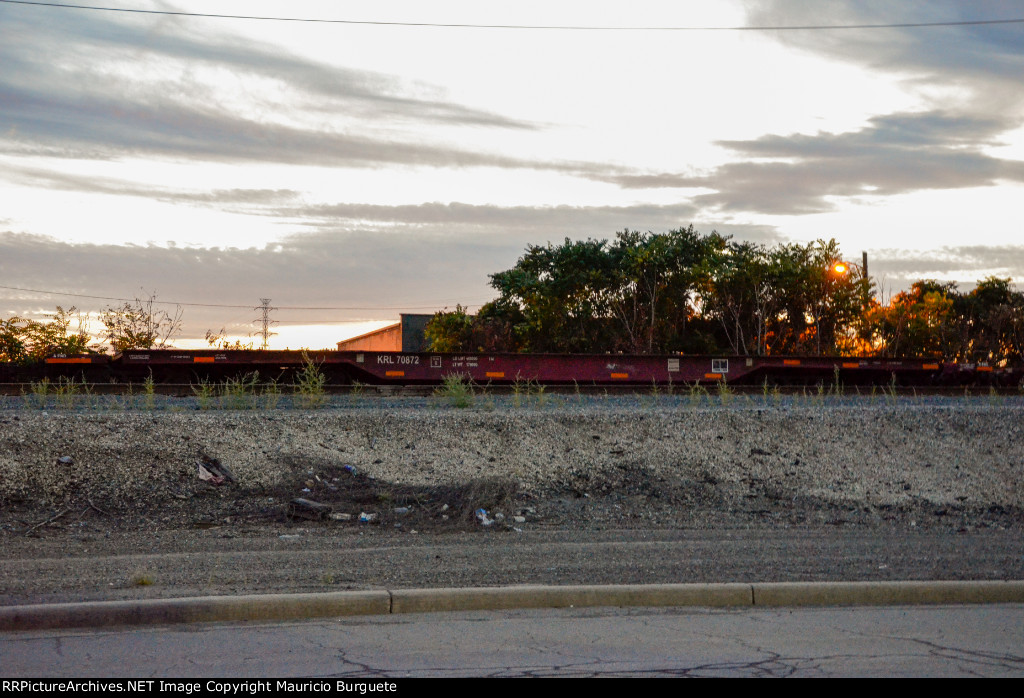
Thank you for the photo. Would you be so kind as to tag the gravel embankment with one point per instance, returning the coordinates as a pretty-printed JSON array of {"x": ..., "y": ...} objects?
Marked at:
[
  {"x": 565, "y": 471},
  {"x": 901, "y": 458}
]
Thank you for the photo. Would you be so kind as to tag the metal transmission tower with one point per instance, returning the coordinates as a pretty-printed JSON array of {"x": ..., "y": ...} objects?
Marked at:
[{"x": 265, "y": 320}]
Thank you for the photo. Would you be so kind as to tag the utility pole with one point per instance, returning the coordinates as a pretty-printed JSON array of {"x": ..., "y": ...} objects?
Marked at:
[{"x": 265, "y": 320}]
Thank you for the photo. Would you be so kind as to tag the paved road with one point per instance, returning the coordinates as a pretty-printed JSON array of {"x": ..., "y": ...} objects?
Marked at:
[
  {"x": 932, "y": 641},
  {"x": 66, "y": 569}
]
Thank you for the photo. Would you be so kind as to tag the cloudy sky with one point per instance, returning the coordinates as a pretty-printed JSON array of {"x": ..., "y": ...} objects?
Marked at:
[{"x": 352, "y": 170}]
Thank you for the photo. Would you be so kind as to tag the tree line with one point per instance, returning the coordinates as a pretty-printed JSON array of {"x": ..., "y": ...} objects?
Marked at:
[
  {"x": 683, "y": 291},
  {"x": 138, "y": 324}
]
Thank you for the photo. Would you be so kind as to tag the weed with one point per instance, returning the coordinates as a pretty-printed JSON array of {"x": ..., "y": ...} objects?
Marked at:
[
  {"x": 521, "y": 387},
  {"x": 993, "y": 396},
  {"x": 66, "y": 391},
  {"x": 489, "y": 403},
  {"x": 271, "y": 395},
  {"x": 697, "y": 393},
  {"x": 37, "y": 395},
  {"x": 238, "y": 393},
  {"x": 819, "y": 397},
  {"x": 309, "y": 384},
  {"x": 837, "y": 386},
  {"x": 355, "y": 392},
  {"x": 205, "y": 393},
  {"x": 539, "y": 395},
  {"x": 725, "y": 393},
  {"x": 149, "y": 392},
  {"x": 528, "y": 389},
  {"x": 141, "y": 579},
  {"x": 457, "y": 389}
]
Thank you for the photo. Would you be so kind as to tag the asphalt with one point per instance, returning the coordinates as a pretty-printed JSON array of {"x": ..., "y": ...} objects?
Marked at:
[{"x": 278, "y": 607}]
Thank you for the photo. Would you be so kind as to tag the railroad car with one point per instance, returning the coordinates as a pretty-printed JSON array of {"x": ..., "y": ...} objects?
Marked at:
[{"x": 427, "y": 368}]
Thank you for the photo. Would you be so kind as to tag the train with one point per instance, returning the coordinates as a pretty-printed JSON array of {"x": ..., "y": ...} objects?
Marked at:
[{"x": 176, "y": 366}]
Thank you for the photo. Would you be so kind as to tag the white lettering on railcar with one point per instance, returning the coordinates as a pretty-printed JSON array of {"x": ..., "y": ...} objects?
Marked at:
[{"x": 398, "y": 359}]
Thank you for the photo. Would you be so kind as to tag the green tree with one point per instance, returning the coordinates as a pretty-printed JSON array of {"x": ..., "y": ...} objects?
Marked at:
[
  {"x": 656, "y": 283},
  {"x": 991, "y": 322},
  {"x": 12, "y": 342},
  {"x": 32, "y": 340},
  {"x": 637, "y": 294},
  {"x": 56, "y": 336},
  {"x": 919, "y": 323},
  {"x": 560, "y": 296},
  {"x": 785, "y": 300},
  {"x": 140, "y": 324},
  {"x": 449, "y": 331}
]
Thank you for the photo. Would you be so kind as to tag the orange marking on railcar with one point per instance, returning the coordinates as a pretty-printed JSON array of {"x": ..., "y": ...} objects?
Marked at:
[
  {"x": 202, "y": 359},
  {"x": 69, "y": 361},
  {"x": 985, "y": 368},
  {"x": 850, "y": 365},
  {"x": 930, "y": 367},
  {"x": 620, "y": 375},
  {"x": 495, "y": 374},
  {"x": 394, "y": 374},
  {"x": 713, "y": 376},
  {"x": 791, "y": 362}
]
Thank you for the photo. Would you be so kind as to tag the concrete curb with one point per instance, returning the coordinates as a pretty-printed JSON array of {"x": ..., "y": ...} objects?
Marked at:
[
  {"x": 351, "y": 603},
  {"x": 202, "y": 609},
  {"x": 500, "y": 598}
]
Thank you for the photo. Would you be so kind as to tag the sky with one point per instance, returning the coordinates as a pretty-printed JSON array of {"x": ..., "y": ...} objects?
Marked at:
[{"x": 376, "y": 163}]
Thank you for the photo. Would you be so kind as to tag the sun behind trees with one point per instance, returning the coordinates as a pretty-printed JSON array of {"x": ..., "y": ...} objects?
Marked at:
[{"x": 683, "y": 291}]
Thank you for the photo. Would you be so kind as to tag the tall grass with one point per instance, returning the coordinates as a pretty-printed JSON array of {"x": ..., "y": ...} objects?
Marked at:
[
  {"x": 309, "y": 384},
  {"x": 457, "y": 390}
]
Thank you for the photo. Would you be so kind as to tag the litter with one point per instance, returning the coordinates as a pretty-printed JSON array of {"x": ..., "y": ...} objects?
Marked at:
[
  {"x": 481, "y": 516},
  {"x": 366, "y": 518},
  {"x": 308, "y": 509},
  {"x": 213, "y": 471}
]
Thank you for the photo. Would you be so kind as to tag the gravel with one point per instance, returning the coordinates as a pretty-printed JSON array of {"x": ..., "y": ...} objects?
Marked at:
[{"x": 106, "y": 482}]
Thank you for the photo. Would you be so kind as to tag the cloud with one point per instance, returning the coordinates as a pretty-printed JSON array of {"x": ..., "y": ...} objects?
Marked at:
[
  {"x": 984, "y": 59},
  {"x": 941, "y": 146},
  {"x": 65, "y": 92},
  {"x": 366, "y": 276},
  {"x": 963, "y": 263},
  {"x": 892, "y": 154},
  {"x": 374, "y": 260}
]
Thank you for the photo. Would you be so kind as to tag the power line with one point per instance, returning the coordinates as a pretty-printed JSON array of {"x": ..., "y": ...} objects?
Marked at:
[
  {"x": 223, "y": 305},
  {"x": 801, "y": 27}
]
